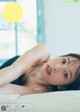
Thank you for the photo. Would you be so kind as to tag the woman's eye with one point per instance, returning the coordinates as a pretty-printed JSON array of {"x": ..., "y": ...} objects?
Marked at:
[
  {"x": 65, "y": 75},
  {"x": 63, "y": 61}
]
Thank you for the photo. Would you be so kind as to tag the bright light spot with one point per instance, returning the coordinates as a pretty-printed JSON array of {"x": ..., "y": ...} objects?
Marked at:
[{"x": 12, "y": 12}]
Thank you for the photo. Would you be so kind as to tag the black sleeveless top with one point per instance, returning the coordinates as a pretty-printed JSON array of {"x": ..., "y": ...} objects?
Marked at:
[{"x": 18, "y": 81}]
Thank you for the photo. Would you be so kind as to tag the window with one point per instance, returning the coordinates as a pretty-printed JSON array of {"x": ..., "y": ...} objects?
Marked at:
[{"x": 16, "y": 38}]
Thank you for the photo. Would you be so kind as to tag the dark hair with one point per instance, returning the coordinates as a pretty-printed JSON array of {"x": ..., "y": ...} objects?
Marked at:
[{"x": 75, "y": 85}]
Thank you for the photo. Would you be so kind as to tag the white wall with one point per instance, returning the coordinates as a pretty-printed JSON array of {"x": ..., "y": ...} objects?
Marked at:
[{"x": 62, "y": 26}]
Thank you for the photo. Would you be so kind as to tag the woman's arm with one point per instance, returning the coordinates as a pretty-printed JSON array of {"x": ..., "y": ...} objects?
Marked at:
[
  {"x": 16, "y": 89},
  {"x": 24, "y": 90},
  {"x": 37, "y": 54}
]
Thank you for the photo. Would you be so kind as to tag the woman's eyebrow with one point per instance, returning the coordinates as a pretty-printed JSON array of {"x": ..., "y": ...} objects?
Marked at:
[
  {"x": 70, "y": 74},
  {"x": 68, "y": 60},
  {"x": 77, "y": 71},
  {"x": 70, "y": 70}
]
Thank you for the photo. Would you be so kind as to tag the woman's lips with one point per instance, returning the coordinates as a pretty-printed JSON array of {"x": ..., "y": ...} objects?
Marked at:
[{"x": 48, "y": 70}]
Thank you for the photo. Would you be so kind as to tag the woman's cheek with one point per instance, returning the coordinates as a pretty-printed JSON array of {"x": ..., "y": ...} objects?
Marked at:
[
  {"x": 52, "y": 81},
  {"x": 55, "y": 79}
]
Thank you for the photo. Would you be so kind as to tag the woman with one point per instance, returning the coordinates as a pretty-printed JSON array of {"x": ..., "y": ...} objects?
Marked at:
[{"x": 41, "y": 73}]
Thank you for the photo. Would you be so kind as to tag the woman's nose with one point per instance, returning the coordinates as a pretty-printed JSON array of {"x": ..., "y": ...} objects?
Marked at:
[
  {"x": 57, "y": 68},
  {"x": 54, "y": 69}
]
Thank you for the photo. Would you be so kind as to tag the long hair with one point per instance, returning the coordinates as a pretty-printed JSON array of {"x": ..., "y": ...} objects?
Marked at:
[{"x": 75, "y": 85}]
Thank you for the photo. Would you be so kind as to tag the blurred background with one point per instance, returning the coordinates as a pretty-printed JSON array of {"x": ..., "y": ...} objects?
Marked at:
[{"x": 54, "y": 22}]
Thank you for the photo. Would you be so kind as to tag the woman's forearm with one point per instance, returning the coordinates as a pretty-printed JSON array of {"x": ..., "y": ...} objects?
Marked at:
[
  {"x": 19, "y": 67},
  {"x": 38, "y": 53},
  {"x": 10, "y": 73},
  {"x": 23, "y": 63}
]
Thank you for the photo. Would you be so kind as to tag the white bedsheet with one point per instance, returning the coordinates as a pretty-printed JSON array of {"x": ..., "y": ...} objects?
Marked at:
[{"x": 67, "y": 101}]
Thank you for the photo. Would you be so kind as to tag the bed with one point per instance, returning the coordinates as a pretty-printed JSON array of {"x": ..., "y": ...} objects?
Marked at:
[{"x": 66, "y": 101}]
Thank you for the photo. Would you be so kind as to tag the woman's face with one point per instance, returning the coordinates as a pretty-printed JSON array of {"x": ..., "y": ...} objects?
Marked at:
[{"x": 59, "y": 71}]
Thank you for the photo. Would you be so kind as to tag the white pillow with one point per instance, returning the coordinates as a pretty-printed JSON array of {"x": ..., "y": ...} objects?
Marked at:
[{"x": 67, "y": 101}]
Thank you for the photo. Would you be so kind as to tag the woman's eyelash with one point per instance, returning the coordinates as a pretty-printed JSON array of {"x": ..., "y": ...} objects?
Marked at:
[
  {"x": 65, "y": 75},
  {"x": 63, "y": 61}
]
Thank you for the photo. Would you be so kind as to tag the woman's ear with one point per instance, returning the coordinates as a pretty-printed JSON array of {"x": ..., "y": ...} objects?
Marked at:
[{"x": 59, "y": 87}]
